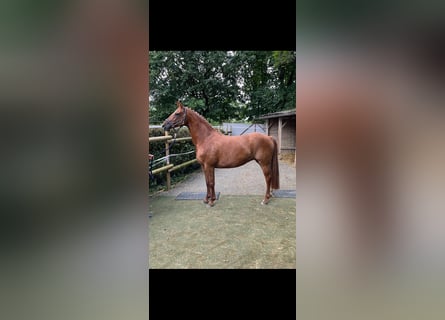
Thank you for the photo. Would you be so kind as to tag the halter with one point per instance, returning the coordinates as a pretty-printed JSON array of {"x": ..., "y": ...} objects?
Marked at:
[{"x": 180, "y": 126}]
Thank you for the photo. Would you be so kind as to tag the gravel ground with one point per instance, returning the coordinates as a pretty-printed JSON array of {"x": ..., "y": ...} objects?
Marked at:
[{"x": 245, "y": 180}]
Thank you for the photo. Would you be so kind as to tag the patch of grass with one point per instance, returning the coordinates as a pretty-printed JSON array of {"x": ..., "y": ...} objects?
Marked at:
[{"x": 238, "y": 232}]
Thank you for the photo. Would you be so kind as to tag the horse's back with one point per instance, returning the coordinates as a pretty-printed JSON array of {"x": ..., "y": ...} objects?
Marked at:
[
  {"x": 260, "y": 142},
  {"x": 261, "y": 146}
]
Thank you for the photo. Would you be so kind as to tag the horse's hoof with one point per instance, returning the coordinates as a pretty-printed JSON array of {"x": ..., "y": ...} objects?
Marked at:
[
  {"x": 210, "y": 204},
  {"x": 264, "y": 202}
]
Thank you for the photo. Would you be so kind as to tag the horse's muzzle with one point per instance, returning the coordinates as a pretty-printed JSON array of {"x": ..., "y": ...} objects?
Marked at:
[{"x": 166, "y": 125}]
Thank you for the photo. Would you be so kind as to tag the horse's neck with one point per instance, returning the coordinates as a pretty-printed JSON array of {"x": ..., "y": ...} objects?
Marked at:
[{"x": 199, "y": 128}]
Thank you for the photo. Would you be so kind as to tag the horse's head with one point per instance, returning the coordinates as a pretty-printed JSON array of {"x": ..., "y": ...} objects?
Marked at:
[{"x": 177, "y": 118}]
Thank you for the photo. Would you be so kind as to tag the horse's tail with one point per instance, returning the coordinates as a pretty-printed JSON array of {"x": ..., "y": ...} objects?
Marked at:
[{"x": 275, "y": 167}]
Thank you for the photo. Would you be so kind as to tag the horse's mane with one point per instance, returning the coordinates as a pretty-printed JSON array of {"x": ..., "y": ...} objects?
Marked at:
[{"x": 202, "y": 118}]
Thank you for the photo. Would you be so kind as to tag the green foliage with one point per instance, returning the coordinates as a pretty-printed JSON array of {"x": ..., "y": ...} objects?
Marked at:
[{"x": 220, "y": 85}]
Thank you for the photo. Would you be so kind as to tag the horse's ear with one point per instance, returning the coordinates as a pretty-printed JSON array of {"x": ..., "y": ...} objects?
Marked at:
[{"x": 179, "y": 104}]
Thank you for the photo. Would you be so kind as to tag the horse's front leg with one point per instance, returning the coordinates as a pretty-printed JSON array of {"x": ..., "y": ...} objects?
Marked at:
[
  {"x": 211, "y": 186},
  {"x": 206, "y": 176}
]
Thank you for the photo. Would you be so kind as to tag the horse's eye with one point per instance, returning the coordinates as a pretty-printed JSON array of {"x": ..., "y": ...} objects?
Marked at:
[{"x": 177, "y": 113}]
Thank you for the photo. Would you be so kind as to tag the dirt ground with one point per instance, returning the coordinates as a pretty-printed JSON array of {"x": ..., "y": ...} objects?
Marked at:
[
  {"x": 238, "y": 232},
  {"x": 245, "y": 180}
]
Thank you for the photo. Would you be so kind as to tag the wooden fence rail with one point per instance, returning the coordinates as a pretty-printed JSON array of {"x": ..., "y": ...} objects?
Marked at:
[
  {"x": 155, "y": 139},
  {"x": 169, "y": 167}
]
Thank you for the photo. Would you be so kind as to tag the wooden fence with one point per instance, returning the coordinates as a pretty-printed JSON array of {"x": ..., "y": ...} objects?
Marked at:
[{"x": 169, "y": 167}]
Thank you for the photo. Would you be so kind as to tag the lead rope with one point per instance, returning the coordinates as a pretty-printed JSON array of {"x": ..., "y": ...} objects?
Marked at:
[
  {"x": 174, "y": 140},
  {"x": 150, "y": 169},
  {"x": 176, "y": 131}
]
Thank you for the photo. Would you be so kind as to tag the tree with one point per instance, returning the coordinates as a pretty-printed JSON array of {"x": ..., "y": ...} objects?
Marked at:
[
  {"x": 221, "y": 85},
  {"x": 204, "y": 80},
  {"x": 284, "y": 63}
]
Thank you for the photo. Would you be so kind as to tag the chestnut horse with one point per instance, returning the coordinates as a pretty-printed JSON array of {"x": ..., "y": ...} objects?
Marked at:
[{"x": 215, "y": 150}]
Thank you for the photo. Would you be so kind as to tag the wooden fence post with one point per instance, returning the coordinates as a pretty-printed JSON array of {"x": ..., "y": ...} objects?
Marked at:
[{"x": 169, "y": 167}]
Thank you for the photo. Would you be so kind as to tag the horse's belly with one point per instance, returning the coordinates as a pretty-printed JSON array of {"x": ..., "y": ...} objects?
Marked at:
[
  {"x": 232, "y": 159},
  {"x": 233, "y": 164}
]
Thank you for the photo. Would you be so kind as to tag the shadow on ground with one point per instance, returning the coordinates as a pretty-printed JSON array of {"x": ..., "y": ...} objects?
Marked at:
[{"x": 238, "y": 232}]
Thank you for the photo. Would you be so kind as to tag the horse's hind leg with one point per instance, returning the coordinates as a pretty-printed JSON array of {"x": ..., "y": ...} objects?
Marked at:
[{"x": 267, "y": 171}]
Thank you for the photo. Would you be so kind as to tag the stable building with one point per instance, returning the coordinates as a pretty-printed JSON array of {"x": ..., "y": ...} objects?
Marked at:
[{"x": 282, "y": 126}]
